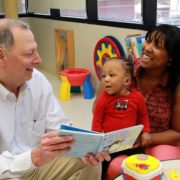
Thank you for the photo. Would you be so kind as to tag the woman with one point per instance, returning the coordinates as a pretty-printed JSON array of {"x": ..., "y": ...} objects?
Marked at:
[{"x": 157, "y": 76}]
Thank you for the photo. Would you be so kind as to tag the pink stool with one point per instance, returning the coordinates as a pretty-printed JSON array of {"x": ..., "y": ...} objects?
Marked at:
[{"x": 77, "y": 77}]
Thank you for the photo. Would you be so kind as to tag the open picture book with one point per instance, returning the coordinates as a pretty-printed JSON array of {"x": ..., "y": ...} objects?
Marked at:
[{"x": 91, "y": 142}]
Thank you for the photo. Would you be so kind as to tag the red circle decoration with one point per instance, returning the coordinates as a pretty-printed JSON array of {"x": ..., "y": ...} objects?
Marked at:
[{"x": 105, "y": 48}]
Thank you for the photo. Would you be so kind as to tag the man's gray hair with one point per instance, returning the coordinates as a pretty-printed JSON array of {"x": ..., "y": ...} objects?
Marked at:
[{"x": 6, "y": 36}]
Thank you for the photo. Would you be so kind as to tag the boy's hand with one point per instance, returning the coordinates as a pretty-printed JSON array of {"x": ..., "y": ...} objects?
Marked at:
[{"x": 93, "y": 160}]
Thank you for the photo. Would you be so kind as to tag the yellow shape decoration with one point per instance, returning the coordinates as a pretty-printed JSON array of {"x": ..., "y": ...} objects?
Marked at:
[
  {"x": 174, "y": 175},
  {"x": 104, "y": 51},
  {"x": 65, "y": 89}
]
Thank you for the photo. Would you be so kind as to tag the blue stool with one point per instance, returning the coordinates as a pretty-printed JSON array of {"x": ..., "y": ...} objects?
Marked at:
[{"x": 88, "y": 88}]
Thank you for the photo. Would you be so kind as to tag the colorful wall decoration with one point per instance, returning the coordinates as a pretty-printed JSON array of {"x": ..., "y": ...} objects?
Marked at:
[{"x": 105, "y": 48}]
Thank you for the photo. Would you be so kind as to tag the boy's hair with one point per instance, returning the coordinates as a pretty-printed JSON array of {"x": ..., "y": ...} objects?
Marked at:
[{"x": 126, "y": 64}]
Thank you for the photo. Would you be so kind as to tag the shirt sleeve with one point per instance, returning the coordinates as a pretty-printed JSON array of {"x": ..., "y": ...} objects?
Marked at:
[
  {"x": 55, "y": 115},
  {"x": 15, "y": 165},
  {"x": 52, "y": 110},
  {"x": 97, "y": 122}
]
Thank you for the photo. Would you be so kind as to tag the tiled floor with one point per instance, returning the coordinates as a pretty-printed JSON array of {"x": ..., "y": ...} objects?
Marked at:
[{"x": 77, "y": 108}]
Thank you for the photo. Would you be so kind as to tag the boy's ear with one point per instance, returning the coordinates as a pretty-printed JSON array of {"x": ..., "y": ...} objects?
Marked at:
[{"x": 127, "y": 81}]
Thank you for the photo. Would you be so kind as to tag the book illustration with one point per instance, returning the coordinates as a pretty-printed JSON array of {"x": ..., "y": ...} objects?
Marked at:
[
  {"x": 92, "y": 142},
  {"x": 113, "y": 147},
  {"x": 121, "y": 140},
  {"x": 134, "y": 45}
]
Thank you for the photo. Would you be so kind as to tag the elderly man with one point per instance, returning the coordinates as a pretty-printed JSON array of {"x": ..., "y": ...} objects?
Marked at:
[{"x": 30, "y": 146}]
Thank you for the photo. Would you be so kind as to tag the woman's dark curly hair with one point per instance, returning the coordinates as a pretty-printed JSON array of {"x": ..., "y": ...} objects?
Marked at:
[{"x": 170, "y": 36}]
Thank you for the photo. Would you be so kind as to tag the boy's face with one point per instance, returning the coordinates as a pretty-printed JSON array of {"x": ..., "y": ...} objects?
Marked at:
[{"x": 114, "y": 77}]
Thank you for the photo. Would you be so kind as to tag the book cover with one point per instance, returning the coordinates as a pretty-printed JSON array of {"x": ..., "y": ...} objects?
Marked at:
[{"x": 92, "y": 142}]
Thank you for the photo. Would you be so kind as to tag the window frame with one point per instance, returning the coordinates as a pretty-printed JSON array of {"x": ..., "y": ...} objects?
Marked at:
[{"x": 149, "y": 9}]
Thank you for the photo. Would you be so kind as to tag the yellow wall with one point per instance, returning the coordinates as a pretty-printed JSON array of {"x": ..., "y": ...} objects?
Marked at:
[
  {"x": 10, "y": 8},
  {"x": 85, "y": 37}
]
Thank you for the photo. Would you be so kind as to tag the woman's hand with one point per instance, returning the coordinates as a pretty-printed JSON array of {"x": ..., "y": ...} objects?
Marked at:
[
  {"x": 51, "y": 145},
  {"x": 146, "y": 139},
  {"x": 93, "y": 160}
]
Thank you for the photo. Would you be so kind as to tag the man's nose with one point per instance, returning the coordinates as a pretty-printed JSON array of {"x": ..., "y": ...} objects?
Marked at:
[{"x": 37, "y": 58}]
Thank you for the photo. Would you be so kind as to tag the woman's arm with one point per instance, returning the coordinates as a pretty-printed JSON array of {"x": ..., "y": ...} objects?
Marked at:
[
  {"x": 171, "y": 136},
  {"x": 176, "y": 111}
]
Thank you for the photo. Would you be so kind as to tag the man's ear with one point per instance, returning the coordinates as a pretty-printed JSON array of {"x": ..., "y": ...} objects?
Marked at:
[
  {"x": 2, "y": 58},
  {"x": 127, "y": 81}
]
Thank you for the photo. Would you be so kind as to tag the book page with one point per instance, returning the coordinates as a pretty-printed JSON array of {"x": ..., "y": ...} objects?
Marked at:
[{"x": 121, "y": 139}]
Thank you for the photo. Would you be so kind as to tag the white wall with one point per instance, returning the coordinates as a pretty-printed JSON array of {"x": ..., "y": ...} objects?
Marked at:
[{"x": 85, "y": 37}]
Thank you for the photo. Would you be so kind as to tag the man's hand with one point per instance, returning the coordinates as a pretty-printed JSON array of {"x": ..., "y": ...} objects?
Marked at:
[
  {"x": 93, "y": 160},
  {"x": 51, "y": 145}
]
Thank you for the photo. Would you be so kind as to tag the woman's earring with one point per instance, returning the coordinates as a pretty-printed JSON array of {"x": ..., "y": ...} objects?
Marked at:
[{"x": 169, "y": 62}]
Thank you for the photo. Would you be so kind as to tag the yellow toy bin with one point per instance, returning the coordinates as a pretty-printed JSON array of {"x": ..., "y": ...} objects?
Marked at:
[{"x": 141, "y": 167}]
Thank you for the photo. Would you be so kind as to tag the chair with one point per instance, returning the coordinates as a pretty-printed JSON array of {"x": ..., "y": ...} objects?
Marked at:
[{"x": 76, "y": 77}]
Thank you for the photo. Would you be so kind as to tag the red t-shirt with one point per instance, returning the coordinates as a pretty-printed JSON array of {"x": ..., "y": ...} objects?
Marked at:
[{"x": 108, "y": 118}]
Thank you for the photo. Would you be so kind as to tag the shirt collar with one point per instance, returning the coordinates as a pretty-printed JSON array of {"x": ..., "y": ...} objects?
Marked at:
[{"x": 4, "y": 92}]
